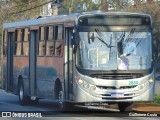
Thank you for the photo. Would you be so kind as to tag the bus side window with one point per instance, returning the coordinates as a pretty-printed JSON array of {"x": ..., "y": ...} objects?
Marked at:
[
  {"x": 59, "y": 40},
  {"x": 25, "y": 43},
  {"x": 18, "y": 42},
  {"x": 50, "y": 40},
  {"x": 41, "y": 42},
  {"x": 5, "y": 43}
]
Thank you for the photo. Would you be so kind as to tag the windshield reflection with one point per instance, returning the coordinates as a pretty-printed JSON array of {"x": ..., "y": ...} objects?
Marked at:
[{"x": 114, "y": 50}]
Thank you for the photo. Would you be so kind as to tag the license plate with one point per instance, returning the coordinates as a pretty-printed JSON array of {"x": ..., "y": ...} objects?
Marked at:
[{"x": 117, "y": 95}]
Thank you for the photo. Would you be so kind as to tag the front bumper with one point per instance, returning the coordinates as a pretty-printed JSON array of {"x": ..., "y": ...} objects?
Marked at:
[{"x": 116, "y": 90}]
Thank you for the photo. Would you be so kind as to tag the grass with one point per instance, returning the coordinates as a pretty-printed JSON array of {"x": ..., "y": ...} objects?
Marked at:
[
  {"x": 157, "y": 98},
  {"x": 155, "y": 102}
]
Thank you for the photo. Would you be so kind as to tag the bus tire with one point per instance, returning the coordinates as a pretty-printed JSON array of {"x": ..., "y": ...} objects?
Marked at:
[
  {"x": 23, "y": 100},
  {"x": 125, "y": 106},
  {"x": 61, "y": 103}
]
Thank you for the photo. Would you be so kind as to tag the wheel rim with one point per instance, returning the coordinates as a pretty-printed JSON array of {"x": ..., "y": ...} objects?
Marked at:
[
  {"x": 21, "y": 92},
  {"x": 60, "y": 99}
]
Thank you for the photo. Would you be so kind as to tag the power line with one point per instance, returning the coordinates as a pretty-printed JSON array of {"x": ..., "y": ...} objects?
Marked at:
[
  {"x": 22, "y": 5},
  {"x": 31, "y": 8}
]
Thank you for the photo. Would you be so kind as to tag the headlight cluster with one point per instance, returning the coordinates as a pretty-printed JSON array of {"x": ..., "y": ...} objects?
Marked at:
[
  {"x": 143, "y": 86},
  {"x": 86, "y": 85},
  {"x": 146, "y": 84}
]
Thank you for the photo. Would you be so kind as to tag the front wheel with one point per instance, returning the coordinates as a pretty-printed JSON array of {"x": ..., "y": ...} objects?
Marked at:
[
  {"x": 125, "y": 106},
  {"x": 23, "y": 100},
  {"x": 63, "y": 105}
]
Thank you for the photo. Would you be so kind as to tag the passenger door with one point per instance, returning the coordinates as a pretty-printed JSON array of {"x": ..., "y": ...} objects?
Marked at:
[
  {"x": 32, "y": 61},
  {"x": 68, "y": 69},
  {"x": 10, "y": 51}
]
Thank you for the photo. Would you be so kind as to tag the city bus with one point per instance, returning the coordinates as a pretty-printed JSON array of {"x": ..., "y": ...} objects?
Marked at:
[{"x": 90, "y": 57}]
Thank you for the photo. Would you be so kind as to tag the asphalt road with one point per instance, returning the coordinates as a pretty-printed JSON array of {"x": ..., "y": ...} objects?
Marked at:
[{"x": 49, "y": 111}]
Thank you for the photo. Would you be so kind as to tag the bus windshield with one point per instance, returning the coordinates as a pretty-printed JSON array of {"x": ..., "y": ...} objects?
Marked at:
[{"x": 126, "y": 50}]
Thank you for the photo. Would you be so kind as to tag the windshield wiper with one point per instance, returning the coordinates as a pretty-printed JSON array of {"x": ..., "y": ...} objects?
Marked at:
[
  {"x": 122, "y": 36},
  {"x": 128, "y": 39},
  {"x": 119, "y": 43},
  {"x": 101, "y": 38},
  {"x": 130, "y": 35}
]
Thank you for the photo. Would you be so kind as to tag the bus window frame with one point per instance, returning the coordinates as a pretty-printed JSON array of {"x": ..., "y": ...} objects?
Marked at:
[
  {"x": 54, "y": 40},
  {"x": 22, "y": 41},
  {"x": 47, "y": 40},
  {"x": 41, "y": 41},
  {"x": 57, "y": 40},
  {"x": 16, "y": 42}
]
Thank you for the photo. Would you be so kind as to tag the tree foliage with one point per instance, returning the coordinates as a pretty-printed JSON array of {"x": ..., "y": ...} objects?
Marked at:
[{"x": 12, "y": 11}]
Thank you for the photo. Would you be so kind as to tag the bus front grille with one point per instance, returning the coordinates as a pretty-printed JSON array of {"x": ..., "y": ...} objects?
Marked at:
[
  {"x": 116, "y": 98},
  {"x": 114, "y": 88},
  {"x": 125, "y": 96},
  {"x": 117, "y": 76}
]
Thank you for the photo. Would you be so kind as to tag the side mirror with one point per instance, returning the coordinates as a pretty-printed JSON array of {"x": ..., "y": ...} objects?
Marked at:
[
  {"x": 91, "y": 37},
  {"x": 74, "y": 38},
  {"x": 74, "y": 49},
  {"x": 74, "y": 42}
]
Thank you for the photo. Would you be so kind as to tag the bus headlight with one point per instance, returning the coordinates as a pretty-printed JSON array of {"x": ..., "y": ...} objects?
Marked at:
[
  {"x": 151, "y": 80},
  {"x": 92, "y": 87},
  {"x": 80, "y": 81},
  {"x": 85, "y": 84},
  {"x": 143, "y": 86}
]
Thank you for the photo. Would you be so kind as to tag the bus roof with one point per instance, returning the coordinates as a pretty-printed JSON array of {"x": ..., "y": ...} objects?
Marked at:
[
  {"x": 64, "y": 18},
  {"x": 39, "y": 21},
  {"x": 112, "y": 13}
]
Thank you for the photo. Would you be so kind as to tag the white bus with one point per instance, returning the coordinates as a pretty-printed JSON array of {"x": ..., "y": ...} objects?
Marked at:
[{"x": 103, "y": 57}]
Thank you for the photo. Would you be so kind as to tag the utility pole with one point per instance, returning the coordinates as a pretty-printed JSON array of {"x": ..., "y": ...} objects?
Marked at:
[
  {"x": 46, "y": 10},
  {"x": 55, "y": 5}
]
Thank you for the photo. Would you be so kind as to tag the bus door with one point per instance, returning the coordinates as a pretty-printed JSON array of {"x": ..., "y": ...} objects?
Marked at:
[
  {"x": 32, "y": 61},
  {"x": 10, "y": 51},
  {"x": 68, "y": 71}
]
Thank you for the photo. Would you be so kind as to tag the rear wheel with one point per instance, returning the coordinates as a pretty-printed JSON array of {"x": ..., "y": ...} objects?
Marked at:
[
  {"x": 125, "y": 106},
  {"x": 23, "y": 100}
]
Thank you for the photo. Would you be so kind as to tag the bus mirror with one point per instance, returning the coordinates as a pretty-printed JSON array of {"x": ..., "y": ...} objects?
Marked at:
[
  {"x": 90, "y": 37},
  {"x": 73, "y": 40},
  {"x": 74, "y": 49}
]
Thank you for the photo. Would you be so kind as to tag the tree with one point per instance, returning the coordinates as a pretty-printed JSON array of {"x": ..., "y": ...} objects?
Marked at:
[{"x": 16, "y": 10}]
